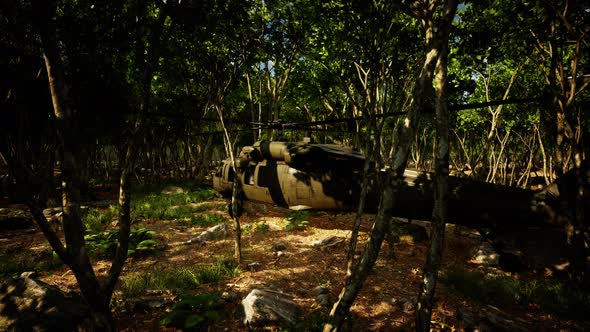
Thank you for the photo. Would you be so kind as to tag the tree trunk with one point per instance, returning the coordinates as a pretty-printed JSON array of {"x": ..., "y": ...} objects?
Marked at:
[
  {"x": 236, "y": 192},
  {"x": 75, "y": 254},
  {"x": 439, "y": 213},
  {"x": 352, "y": 288}
]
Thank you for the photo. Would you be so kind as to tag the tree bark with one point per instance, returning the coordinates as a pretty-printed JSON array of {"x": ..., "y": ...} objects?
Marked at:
[
  {"x": 439, "y": 214},
  {"x": 352, "y": 288},
  {"x": 236, "y": 192},
  {"x": 75, "y": 254}
]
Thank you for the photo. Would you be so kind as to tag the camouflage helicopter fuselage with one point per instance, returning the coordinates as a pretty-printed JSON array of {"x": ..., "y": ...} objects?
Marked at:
[
  {"x": 328, "y": 177},
  {"x": 295, "y": 175}
]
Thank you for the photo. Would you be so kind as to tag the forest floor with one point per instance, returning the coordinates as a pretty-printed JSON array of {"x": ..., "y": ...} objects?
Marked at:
[{"x": 384, "y": 304}]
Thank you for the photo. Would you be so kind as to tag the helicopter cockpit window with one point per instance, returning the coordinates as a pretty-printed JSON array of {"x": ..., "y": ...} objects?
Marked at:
[
  {"x": 249, "y": 175},
  {"x": 230, "y": 174},
  {"x": 263, "y": 176}
]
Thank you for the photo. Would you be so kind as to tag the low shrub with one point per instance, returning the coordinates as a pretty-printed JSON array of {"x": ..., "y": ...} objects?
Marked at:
[
  {"x": 104, "y": 243},
  {"x": 297, "y": 220},
  {"x": 561, "y": 297},
  {"x": 194, "y": 312}
]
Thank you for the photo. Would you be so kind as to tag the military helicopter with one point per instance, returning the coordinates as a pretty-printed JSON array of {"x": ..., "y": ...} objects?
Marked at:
[{"x": 305, "y": 175}]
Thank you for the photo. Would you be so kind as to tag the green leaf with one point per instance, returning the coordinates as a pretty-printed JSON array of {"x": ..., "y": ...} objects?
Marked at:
[
  {"x": 146, "y": 244},
  {"x": 212, "y": 315},
  {"x": 166, "y": 320},
  {"x": 193, "y": 321}
]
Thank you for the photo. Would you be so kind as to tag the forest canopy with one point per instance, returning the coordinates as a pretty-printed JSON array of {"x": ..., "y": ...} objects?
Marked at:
[{"x": 113, "y": 91}]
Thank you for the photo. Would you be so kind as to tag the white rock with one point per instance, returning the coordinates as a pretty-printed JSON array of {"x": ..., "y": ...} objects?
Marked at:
[
  {"x": 172, "y": 190},
  {"x": 264, "y": 306},
  {"x": 214, "y": 233}
]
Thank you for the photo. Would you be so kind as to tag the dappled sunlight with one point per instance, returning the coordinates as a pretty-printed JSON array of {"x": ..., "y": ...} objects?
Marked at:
[{"x": 297, "y": 268}]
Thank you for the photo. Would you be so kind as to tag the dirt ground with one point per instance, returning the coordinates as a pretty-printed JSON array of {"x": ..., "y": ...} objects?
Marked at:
[{"x": 377, "y": 308}]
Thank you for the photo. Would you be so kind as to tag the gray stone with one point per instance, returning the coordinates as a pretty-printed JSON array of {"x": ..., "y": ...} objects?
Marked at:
[
  {"x": 29, "y": 274},
  {"x": 172, "y": 190},
  {"x": 254, "y": 266},
  {"x": 285, "y": 254},
  {"x": 214, "y": 233},
  {"x": 485, "y": 255},
  {"x": 407, "y": 305},
  {"x": 279, "y": 246},
  {"x": 230, "y": 297},
  {"x": 263, "y": 306},
  {"x": 30, "y": 305},
  {"x": 330, "y": 241},
  {"x": 146, "y": 304},
  {"x": 319, "y": 290},
  {"x": 325, "y": 300}
]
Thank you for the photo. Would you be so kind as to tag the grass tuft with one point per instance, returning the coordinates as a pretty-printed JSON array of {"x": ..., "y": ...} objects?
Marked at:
[
  {"x": 169, "y": 207},
  {"x": 178, "y": 279},
  {"x": 15, "y": 262},
  {"x": 96, "y": 219},
  {"x": 203, "y": 220}
]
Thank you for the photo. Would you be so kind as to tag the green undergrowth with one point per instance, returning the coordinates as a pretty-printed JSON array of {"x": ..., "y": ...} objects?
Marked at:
[
  {"x": 180, "y": 279},
  {"x": 559, "y": 297},
  {"x": 258, "y": 227},
  {"x": 104, "y": 243},
  {"x": 297, "y": 220},
  {"x": 310, "y": 323},
  {"x": 96, "y": 219},
  {"x": 154, "y": 205},
  {"x": 15, "y": 261},
  {"x": 204, "y": 220},
  {"x": 148, "y": 203},
  {"x": 195, "y": 312}
]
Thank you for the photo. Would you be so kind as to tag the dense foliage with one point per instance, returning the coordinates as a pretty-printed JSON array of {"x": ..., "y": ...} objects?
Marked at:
[
  {"x": 296, "y": 61},
  {"x": 160, "y": 89}
]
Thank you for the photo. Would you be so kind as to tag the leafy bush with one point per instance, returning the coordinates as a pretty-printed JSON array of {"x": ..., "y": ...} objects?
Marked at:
[
  {"x": 297, "y": 219},
  {"x": 259, "y": 227},
  {"x": 104, "y": 243},
  {"x": 563, "y": 298},
  {"x": 195, "y": 311}
]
